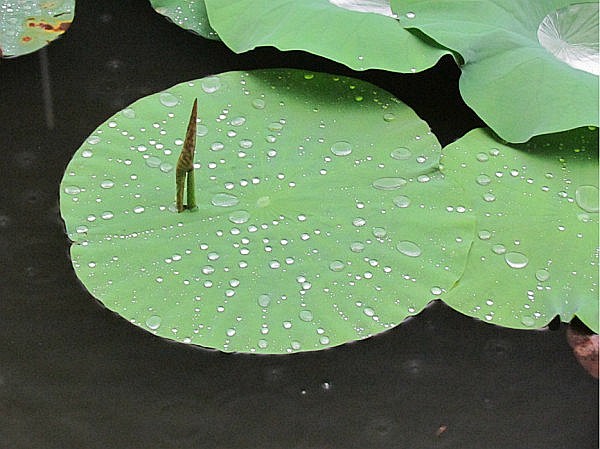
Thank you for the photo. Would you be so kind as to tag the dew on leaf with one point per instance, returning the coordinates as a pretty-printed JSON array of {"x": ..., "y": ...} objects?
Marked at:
[
  {"x": 401, "y": 153},
  {"x": 341, "y": 148},
  {"x": 168, "y": 99},
  {"x": 587, "y": 198},
  {"x": 389, "y": 183},
  {"x": 408, "y": 248},
  {"x": 224, "y": 200}
]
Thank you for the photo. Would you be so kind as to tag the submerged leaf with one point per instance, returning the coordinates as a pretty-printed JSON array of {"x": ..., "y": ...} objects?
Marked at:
[
  {"x": 188, "y": 14},
  {"x": 309, "y": 232},
  {"x": 530, "y": 68},
  {"x": 536, "y": 255},
  {"x": 27, "y": 26},
  {"x": 359, "y": 34}
]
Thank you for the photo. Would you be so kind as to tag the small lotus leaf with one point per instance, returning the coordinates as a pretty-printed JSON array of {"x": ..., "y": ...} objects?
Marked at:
[
  {"x": 27, "y": 26},
  {"x": 530, "y": 67},
  {"x": 321, "y": 213},
  {"x": 536, "y": 255},
  {"x": 188, "y": 14},
  {"x": 339, "y": 30}
]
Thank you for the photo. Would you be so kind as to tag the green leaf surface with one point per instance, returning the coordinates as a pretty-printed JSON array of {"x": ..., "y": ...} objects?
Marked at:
[
  {"x": 338, "y": 30},
  {"x": 321, "y": 213},
  {"x": 536, "y": 255},
  {"x": 27, "y": 26},
  {"x": 188, "y": 14},
  {"x": 530, "y": 68}
]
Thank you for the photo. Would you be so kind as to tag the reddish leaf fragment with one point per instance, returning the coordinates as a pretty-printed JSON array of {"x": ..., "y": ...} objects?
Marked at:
[{"x": 585, "y": 348}]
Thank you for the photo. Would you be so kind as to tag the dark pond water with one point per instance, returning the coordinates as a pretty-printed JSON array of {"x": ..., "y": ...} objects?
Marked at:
[{"x": 74, "y": 375}]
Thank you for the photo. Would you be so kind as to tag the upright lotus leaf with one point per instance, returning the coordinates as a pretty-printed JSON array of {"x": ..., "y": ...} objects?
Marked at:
[
  {"x": 530, "y": 67},
  {"x": 28, "y": 25},
  {"x": 188, "y": 14},
  {"x": 358, "y": 33},
  {"x": 536, "y": 255},
  {"x": 321, "y": 214}
]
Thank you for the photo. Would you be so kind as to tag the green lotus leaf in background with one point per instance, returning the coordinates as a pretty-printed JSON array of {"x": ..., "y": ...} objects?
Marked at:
[
  {"x": 530, "y": 67},
  {"x": 536, "y": 255},
  {"x": 188, "y": 14},
  {"x": 340, "y": 30},
  {"x": 28, "y": 25},
  {"x": 310, "y": 232}
]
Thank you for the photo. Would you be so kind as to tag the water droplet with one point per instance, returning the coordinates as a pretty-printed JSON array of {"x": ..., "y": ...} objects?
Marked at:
[
  {"x": 408, "y": 248},
  {"x": 379, "y": 232},
  {"x": 436, "y": 291},
  {"x": 482, "y": 157},
  {"x": 324, "y": 340},
  {"x": 239, "y": 217},
  {"x": 128, "y": 113},
  {"x": 359, "y": 221},
  {"x": 87, "y": 153},
  {"x": 368, "y": 311},
  {"x": 484, "y": 235},
  {"x": 542, "y": 275},
  {"x": 166, "y": 167},
  {"x": 489, "y": 197},
  {"x": 238, "y": 121},
  {"x": 262, "y": 344},
  {"x": 216, "y": 146},
  {"x": 341, "y": 148},
  {"x": 499, "y": 249},
  {"x": 210, "y": 84},
  {"x": 153, "y": 322},
  {"x": 587, "y": 198},
  {"x": 527, "y": 321},
  {"x": 107, "y": 215},
  {"x": 107, "y": 184},
  {"x": 201, "y": 130},
  {"x": 230, "y": 332},
  {"x": 357, "y": 247},
  {"x": 275, "y": 126},
  {"x": 516, "y": 260},
  {"x": 389, "y": 183},
  {"x": 168, "y": 99},
  {"x": 224, "y": 200},
  {"x": 153, "y": 162},
  {"x": 401, "y": 154},
  {"x": 139, "y": 209},
  {"x": 410, "y": 15},
  {"x": 258, "y": 103},
  {"x": 389, "y": 116},
  {"x": 306, "y": 315},
  {"x": 264, "y": 300},
  {"x": 336, "y": 265},
  {"x": 402, "y": 201},
  {"x": 72, "y": 190},
  {"x": 483, "y": 180}
]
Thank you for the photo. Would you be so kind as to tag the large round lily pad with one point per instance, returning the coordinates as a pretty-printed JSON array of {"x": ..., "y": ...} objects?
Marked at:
[
  {"x": 536, "y": 255},
  {"x": 28, "y": 25},
  {"x": 360, "y": 34},
  {"x": 188, "y": 14},
  {"x": 530, "y": 67},
  {"x": 321, "y": 213}
]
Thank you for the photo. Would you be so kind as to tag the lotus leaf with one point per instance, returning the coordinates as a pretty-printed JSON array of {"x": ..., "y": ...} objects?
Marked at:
[
  {"x": 530, "y": 68},
  {"x": 28, "y": 25},
  {"x": 188, "y": 14},
  {"x": 536, "y": 255},
  {"x": 358, "y": 34},
  {"x": 321, "y": 213}
]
